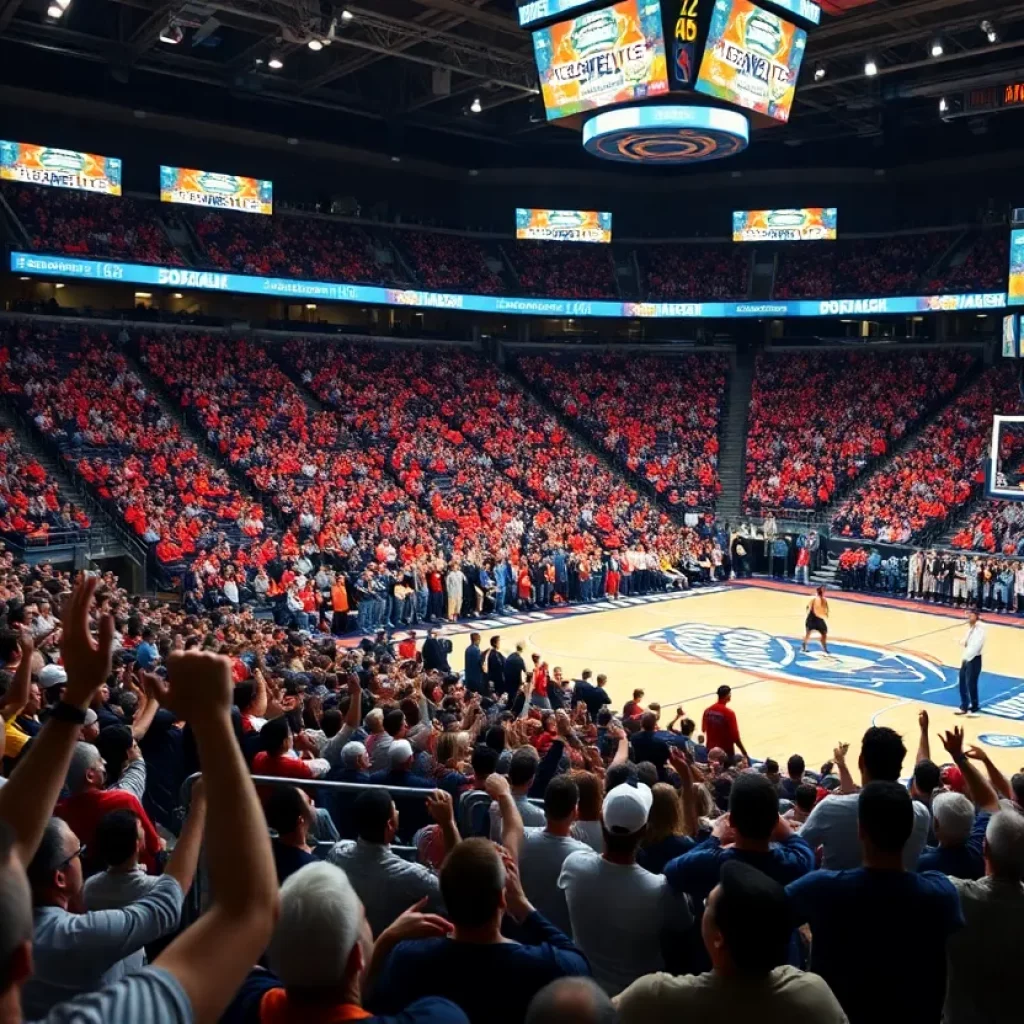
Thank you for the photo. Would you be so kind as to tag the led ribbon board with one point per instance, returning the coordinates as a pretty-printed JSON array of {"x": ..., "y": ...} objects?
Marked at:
[
  {"x": 59, "y": 168},
  {"x": 329, "y": 291},
  {"x": 217, "y": 191},
  {"x": 666, "y": 134}
]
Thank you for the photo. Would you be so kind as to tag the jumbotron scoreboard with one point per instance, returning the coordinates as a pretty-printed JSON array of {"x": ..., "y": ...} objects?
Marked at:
[{"x": 668, "y": 81}]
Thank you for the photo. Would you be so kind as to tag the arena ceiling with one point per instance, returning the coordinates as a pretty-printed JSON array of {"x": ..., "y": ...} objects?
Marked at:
[{"x": 401, "y": 76}]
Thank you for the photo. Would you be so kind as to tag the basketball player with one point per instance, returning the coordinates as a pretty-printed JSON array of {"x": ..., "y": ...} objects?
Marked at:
[{"x": 817, "y": 620}]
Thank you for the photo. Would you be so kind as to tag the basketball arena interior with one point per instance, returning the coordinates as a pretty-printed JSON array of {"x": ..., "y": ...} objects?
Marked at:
[{"x": 556, "y": 458}]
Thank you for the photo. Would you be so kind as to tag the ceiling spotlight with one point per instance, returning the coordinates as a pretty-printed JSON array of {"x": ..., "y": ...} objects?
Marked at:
[
  {"x": 870, "y": 67},
  {"x": 172, "y": 35},
  {"x": 53, "y": 11},
  {"x": 63, "y": 4},
  {"x": 315, "y": 45},
  {"x": 943, "y": 105},
  {"x": 476, "y": 106},
  {"x": 990, "y": 31},
  {"x": 275, "y": 63},
  {"x": 347, "y": 15},
  {"x": 396, "y": 159},
  {"x": 937, "y": 50},
  {"x": 820, "y": 72}
]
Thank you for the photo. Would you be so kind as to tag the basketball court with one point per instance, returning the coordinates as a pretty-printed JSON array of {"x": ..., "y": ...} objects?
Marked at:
[{"x": 892, "y": 659}]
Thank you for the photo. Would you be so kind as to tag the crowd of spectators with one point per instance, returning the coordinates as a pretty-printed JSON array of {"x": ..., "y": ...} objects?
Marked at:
[
  {"x": 697, "y": 272},
  {"x": 76, "y": 386},
  {"x": 451, "y": 262},
  {"x": 30, "y": 504},
  {"x": 982, "y": 267},
  {"x": 996, "y": 526},
  {"x": 74, "y": 223},
  {"x": 849, "y": 268},
  {"x": 570, "y": 270},
  {"x": 287, "y": 246},
  {"x": 647, "y": 870},
  {"x": 921, "y": 487},
  {"x": 817, "y": 419},
  {"x": 658, "y": 416}
]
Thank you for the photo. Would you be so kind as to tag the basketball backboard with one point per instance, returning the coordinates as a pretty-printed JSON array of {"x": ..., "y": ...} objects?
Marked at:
[{"x": 1005, "y": 475}]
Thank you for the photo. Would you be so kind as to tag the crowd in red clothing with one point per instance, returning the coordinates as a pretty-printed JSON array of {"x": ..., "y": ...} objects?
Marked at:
[
  {"x": 291, "y": 246},
  {"x": 894, "y": 265},
  {"x": 573, "y": 270},
  {"x": 997, "y": 527},
  {"x": 30, "y": 505},
  {"x": 658, "y": 416},
  {"x": 451, "y": 262},
  {"x": 982, "y": 269},
  {"x": 817, "y": 419},
  {"x": 85, "y": 224},
  {"x": 697, "y": 271},
  {"x": 81, "y": 393},
  {"x": 944, "y": 468}
]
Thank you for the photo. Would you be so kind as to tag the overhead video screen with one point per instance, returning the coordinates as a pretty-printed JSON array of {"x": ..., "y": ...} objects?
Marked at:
[
  {"x": 220, "y": 191},
  {"x": 810, "y": 224},
  {"x": 59, "y": 168},
  {"x": 752, "y": 58},
  {"x": 609, "y": 56},
  {"x": 564, "y": 225},
  {"x": 1015, "y": 290}
]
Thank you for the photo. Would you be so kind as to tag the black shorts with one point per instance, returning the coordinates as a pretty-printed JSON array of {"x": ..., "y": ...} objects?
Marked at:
[{"x": 814, "y": 624}]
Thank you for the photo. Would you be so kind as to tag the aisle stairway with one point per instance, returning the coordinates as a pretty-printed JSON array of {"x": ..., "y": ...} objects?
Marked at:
[{"x": 732, "y": 451}]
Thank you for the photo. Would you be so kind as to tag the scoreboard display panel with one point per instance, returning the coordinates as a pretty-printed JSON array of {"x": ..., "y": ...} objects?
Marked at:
[
  {"x": 612, "y": 55},
  {"x": 564, "y": 225},
  {"x": 752, "y": 59}
]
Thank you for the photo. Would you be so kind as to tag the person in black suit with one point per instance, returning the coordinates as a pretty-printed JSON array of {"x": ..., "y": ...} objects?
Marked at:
[
  {"x": 435, "y": 654},
  {"x": 515, "y": 671},
  {"x": 595, "y": 697},
  {"x": 473, "y": 676},
  {"x": 494, "y": 666}
]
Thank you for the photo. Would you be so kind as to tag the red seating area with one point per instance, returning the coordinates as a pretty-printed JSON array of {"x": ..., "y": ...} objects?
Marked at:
[
  {"x": 570, "y": 270},
  {"x": 84, "y": 224},
  {"x": 816, "y": 419},
  {"x": 939, "y": 473},
  {"x": 450, "y": 262},
  {"x": 287, "y": 246},
  {"x": 894, "y": 265},
  {"x": 996, "y": 527},
  {"x": 30, "y": 505},
  {"x": 697, "y": 271},
  {"x": 983, "y": 269},
  {"x": 82, "y": 395},
  {"x": 658, "y": 416}
]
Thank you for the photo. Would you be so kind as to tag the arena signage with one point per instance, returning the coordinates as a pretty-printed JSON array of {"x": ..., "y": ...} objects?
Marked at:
[{"x": 283, "y": 287}]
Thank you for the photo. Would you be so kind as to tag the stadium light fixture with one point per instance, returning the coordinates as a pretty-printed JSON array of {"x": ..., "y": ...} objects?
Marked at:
[
  {"x": 172, "y": 35},
  {"x": 820, "y": 72},
  {"x": 870, "y": 67},
  {"x": 63, "y": 4},
  {"x": 476, "y": 106},
  {"x": 54, "y": 11},
  {"x": 937, "y": 49},
  {"x": 990, "y": 31},
  {"x": 315, "y": 45},
  {"x": 943, "y": 105},
  {"x": 275, "y": 63},
  {"x": 347, "y": 15}
]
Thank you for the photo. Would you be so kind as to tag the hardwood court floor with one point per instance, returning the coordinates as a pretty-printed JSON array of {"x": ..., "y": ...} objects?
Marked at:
[{"x": 890, "y": 662}]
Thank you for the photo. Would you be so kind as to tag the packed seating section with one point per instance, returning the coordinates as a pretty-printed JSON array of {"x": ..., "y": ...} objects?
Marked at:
[
  {"x": 939, "y": 473},
  {"x": 818, "y": 419},
  {"x": 658, "y": 417},
  {"x": 327, "y": 248}
]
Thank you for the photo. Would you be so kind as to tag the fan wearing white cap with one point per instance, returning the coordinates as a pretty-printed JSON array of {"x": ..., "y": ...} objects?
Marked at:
[{"x": 620, "y": 912}]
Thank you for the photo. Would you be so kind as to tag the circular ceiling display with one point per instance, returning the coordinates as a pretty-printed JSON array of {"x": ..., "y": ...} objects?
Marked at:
[{"x": 666, "y": 134}]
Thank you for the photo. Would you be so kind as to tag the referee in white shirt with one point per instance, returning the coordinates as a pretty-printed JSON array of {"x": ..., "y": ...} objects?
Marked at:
[{"x": 970, "y": 665}]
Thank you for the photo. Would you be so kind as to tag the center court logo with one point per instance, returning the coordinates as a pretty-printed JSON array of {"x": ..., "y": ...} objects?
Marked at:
[{"x": 752, "y": 650}]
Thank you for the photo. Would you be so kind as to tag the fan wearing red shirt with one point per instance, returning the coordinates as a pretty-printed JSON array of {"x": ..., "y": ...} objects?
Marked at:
[
  {"x": 89, "y": 802},
  {"x": 720, "y": 726},
  {"x": 633, "y": 708},
  {"x": 276, "y": 759}
]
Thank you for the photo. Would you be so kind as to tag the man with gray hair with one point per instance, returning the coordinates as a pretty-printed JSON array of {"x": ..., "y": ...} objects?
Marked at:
[
  {"x": 983, "y": 977},
  {"x": 572, "y": 1001},
  {"x": 322, "y": 954},
  {"x": 960, "y": 834},
  {"x": 89, "y": 802}
]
